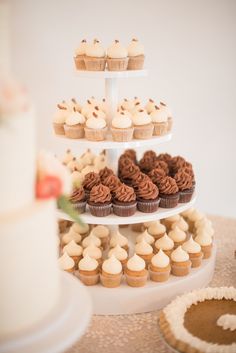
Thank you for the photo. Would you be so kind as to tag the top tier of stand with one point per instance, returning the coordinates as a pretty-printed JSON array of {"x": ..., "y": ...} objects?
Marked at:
[{"x": 112, "y": 74}]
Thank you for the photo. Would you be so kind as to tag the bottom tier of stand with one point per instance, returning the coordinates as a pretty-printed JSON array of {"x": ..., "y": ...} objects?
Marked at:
[{"x": 61, "y": 329}]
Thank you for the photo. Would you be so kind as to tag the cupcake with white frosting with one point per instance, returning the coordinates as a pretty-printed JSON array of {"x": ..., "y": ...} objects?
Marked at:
[
  {"x": 74, "y": 125},
  {"x": 91, "y": 239},
  {"x": 136, "y": 55},
  {"x": 59, "y": 120},
  {"x": 122, "y": 127},
  {"x": 95, "y": 59},
  {"x": 135, "y": 272},
  {"x": 178, "y": 236},
  {"x": 87, "y": 108},
  {"x": 96, "y": 128},
  {"x": 88, "y": 269},
  {"x": 74, "y": 251},
  {"x": 180, "y": 263},
  {"x": 66, "y": 263},
  {"x": 111, "y": 272},
  {"x": 159, "y": 267},
  {"x": 117, "y": 57},
  {"x": 80, "y": 55},
  {"x": 93, "y": 251},
  {"x": 120, "y": 253},
  {"x": 145, "y": 236},
  {"x": 143, "y": 127},
  {"x": 159, "y": 120},
  {"x": 103, "y": 233},
  {"x": 71, "y": 235},
  {"x": 74, "y": 164},
  {"x": 181, "y": 223},
  {"x": 194, "y": 251},
  {"x": 165, "y": 243},
  {"x": 81, "y": 228},
  {"x": 119, "y": 239},
  {"x": 164, "y": 107},
  {"x": 150, "y": 106},
  {"x": 157, "y": 230},
  {"x": 169, "y": 221},
  {"x": 204, "y": 239},
  {"x": 144, "y": 250}
]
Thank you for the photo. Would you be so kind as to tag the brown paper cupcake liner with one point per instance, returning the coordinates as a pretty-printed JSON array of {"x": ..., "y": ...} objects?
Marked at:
[
  {"x": 169, "y": 201},
  {"x": 160, "y": 129},
  {"x": 79, "y": 62},
  {"x": 136, "y": 62},
  {"x": 148, "y": 206},
  {"x": 143, "y": 132},
  {"x": 94, "y": 64},
  {"x": 124, "y": 210},
  {"x": 186, "y": 195},
  {"x": 117, "y": 64},
  {"x": 95, "y": 134},
  {"x": 122, "y": 135},
  {"x": 80, "y": 206},
  {"x": 74, "y": 132},
  {"x": 99, "y": 210},
  {"x": 89, "y": 280},
  {"x": 59, "y": 129}
]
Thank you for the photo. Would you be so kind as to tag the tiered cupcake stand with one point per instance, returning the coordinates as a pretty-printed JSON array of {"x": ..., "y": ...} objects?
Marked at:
[{"x": 153, "y": 296}]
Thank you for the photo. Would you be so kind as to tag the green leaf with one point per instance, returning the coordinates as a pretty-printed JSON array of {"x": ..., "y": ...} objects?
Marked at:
[{"x": 65, "y": 205}]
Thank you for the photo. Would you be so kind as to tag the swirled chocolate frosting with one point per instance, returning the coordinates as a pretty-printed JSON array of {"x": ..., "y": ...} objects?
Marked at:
[
  {"x": 156, "y": 175},
  {"x": 166, "y": 157},
  {"x": 129, "y": 171},
  {"x": 131, "y": 154},
  {"x": 137, "y": 179},
  {"x": 146, "y": 164},
  {"x": 188, "y": 170},
  {"x": 112, "y": 182},
  {"x": 77, "y": 195},
  {"x": 150, "y": 154},
  {"x": 100, "y": 194},
  {"x": 146, "y": 190},
  {"x": 168, "y": 186},
  {"x": 162, "y": 165},
  {"x": 123, "y": 162},
  {"x": 91, "y": 179},
  {"x": 125, "y": 193},
  {"x": 104, "y": 173},
  {"x": 176, "y": 163},
  {"x": 183, "y": 180}
]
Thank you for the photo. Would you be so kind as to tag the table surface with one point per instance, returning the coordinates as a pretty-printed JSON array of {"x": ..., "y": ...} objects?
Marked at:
[{"x": 139, "y": 333}]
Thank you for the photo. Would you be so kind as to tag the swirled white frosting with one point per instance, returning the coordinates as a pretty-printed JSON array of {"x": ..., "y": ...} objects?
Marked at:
[
  {"x": 141, "y": 118},
  {"x": 150, "y": 106},
  {"x": 136, "y": 263},
  {"x": 187, "y": 212},
  {"x": 77, "y": 178},
  {"x": 143, "y": 248},
  {"x": 117, "y": 51},
  {"x": 164, "y": 243},
  {"x": 118, "y": 239},
  {"x": 135, "y": 48},
  {"x": 91, "y": 239},
  {"x": 145, "y": 236},
  {"x": 81, "y": 50},
  {"x": 118, "y": 252},
  {"x": 112, "y": 265},
  {"x": 177, "y": 234},
  {"x": 93, "y": 251},
  {"x": 203, "y": 239},
  {"x": 191, "y": 246},
  {"x": 74, "y": 119},
  {"x": 87, "y": 108},
  {"x": 179, "y": 255},
  {"x": 60, "y": 116},
  {"x": 227, "y": 322},
  {"x": 122, "y": 121},
  {"x": 206, "y": 228},
  {"x": 71, "y": 235},
  {"x": 160, "y": 260},
  {"x": 74, "y": 165},
  {"x": 156, "y": 228},
  {"x": 100, "y": 231},
  {"x": 195, "y": 215},
  {"x": 173, "y": 219},
  {"x": 181, "y": 223},
  {"x": 65, "y": 262},
  {"x": 87, "y": 157},
  {"x": 158, "y": 115},
  {"x": 73, "y": 249},
  {"x": 88, "y": 264},
  {"x": 80, "y": 228},
  {"x": 96, "y": 123},
  {"x": 95, "y": 49}
]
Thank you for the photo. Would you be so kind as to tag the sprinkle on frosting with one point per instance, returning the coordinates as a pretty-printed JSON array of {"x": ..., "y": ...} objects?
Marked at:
[{"x": 91, "y": 239}]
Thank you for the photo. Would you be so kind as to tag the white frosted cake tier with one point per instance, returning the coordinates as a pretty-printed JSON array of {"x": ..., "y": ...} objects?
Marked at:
[
  {"x": 109, "y": 144},
  {"x": 111, "y": 74},
  {"x": 138, "y": 217}
]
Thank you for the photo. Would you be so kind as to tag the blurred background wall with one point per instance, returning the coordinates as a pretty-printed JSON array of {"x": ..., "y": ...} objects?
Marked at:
[{"x": 190, "y": 55}]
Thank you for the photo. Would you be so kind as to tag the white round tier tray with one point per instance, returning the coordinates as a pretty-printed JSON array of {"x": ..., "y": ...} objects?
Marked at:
[
  {"x": 108, "y": 144},
  {"x": 62, "y": 328},
  {"x": 138, "y": 217},
  {"x": 112, "y": 74},
  {"x": 153, "y": 296}
]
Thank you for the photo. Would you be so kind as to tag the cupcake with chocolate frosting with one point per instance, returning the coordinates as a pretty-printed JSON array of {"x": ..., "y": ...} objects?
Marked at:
[
  {"x": 147, "y": 196},
  {"x": 104, "y": 173},
  {"x": 91, "y": 179},
  {"x": 100, "y": 201},
  {"x": 166, "y": 157},
  {"x": 169, "y": 192},
  {"x": 184, "y": 182},
  {"x": 112, "y": 182},
  {"x": 146, "y": 163},
  {"x": 156, "y": 175},
  {"x": 137, "y": 179},
  {"x": 124, "y": 201},
  {"x": 78, "y": 199},
  {"x": 130, "y": 153},
  {"x": 128, "y": 173}
]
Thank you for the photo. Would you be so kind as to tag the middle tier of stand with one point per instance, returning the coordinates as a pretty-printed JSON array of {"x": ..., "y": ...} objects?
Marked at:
[{"x": 138, "y": 217}]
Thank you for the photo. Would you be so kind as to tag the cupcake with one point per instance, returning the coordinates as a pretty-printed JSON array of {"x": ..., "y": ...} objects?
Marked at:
[
  {"x": 136, "y": 55},
  {"x": 169, "y": 221},
  {"x": 87, "y": 158},
  {"x": 159, "y": 268},
  {"x": 95, "y": 59},
  {"x": 119, "y": 239},
  {"x": 156, "y": 175},
  {"x": 74, "y": 251},
  {"x": 119, "y": 253},
  {"x": 111, "y": 272},
  {"x": 157, "y": 230},
  {"x": 80, "y": 55},
  {"x": 117, "y": 57},
  {"x": 204, "y": 226},
  {"x": 180, "y": 263},
  {"x": 91, "y": 179},
  {"x": 75, "y": 106},
  {"x": 143, "y": 127},
  {"x": 194, "y": 251},
  {"x": 66, "y": 263},
  {"x": 146, "y": 163},
  {"x": 68, "y": 156},
  {"x": 91, "y": 239},
  {"x": 112, "y": 182},
  {"x": 159, "y": 120},
  {"x": 147, "y": 197},
  {"x": 144, "y": 250},
  {"x": 96, "y": 128},
  {"x": 100, "y": 201},
  {"x": 102, "y": 232},
  {"x": 139, "y": 178},
  {"x": 165, "y": 243},
  {"x": 178, "y": 236},
  {"x": 184, "y": 182},
  {"x": 124, "y": 201},
  {"x": 94, "y": 252},
  {"x": 87, "y": 108},
  {"x": 81, "y": 228},
  {"x": 169, "y": 192},
  {"x": 205, "y": 241},
  {"x": 145, "y": 236},
  {"x": 166, "y": 109},
  {"x": 74, "y": 125},
  {"x": 88, "y": 271},
  {"x": 74, "y": 165},
  {"x": 59, "y": 120},
  {"x": 192, "y": 217},
  {"x": 104, "y": 173},
  {"x": 181, "y": 223},
  {"x": 135, "y": 272},
  {"x": 127, "y": 104},
  {"x": 78, "y": 199},
  {"x": 162, "y": 165},
  {"x": 150, "y": 106},
  {"x": 122, "y": 127},
  {"x": 71, "y": 235}
]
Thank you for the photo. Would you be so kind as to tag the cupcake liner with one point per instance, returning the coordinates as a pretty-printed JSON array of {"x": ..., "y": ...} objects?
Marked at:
[
  {"x": 122, "y": 135},
  {"x": 196, "y": 260},
  {"x": 110, "y": 280},
  {"x": 169, "y": 201},
  {"x": 160, "y": 129},
  {"x": 89, "y": 280},
  {"x": 95, "y": 134},
  {"x": 120, "y": 64},
  {"x": 74, "y": 132},
  {"x": 136, "y": 62},
  {"x": 160, "y": 276},
  {"x": 80, "y": 206},
  {"x": 94, "y": 64},
  {"x": 185, "y": 195},
  {"x": 143, "y": 132},
  {"x": 125, "y": 210},
  {"x": 207, "y": 250},
  {"x": 79, "y": 62},
  {"x": 100, "y": 210},
  {"x": 170, "y": 124},
  {"x": 136, "y": 281},
  {"x": 148, "y": 206},
  {"x": 180, "y": 270},
  {"x": 59, "y": 129}
]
